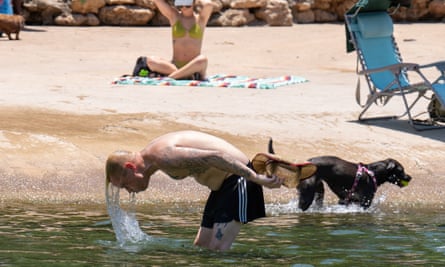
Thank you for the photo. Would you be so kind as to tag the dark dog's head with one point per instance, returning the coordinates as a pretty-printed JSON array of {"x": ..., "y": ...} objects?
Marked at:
[{"x": 396, "y": 173}]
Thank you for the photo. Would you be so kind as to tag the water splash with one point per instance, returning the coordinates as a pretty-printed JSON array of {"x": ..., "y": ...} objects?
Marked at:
[
  {"x": 124, "y": 223},
  {"x": 129, "y": 235},
  {"x": 292, "y": 207}
]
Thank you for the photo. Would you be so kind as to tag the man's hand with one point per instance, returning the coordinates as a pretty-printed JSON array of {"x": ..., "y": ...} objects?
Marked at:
[{"x": 269, "y": 182}]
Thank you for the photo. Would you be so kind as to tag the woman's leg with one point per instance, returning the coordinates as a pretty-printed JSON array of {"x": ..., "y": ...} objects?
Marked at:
[
  {"x": 152, "y": 66},
  {"x": 196, "y": 65},
  {"x": 160, "y": 65}
]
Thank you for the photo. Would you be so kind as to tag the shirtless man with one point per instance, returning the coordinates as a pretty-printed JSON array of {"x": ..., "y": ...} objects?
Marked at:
[
  {"x": 236, "y": 190},
  {"x": 187, "y": 35}
]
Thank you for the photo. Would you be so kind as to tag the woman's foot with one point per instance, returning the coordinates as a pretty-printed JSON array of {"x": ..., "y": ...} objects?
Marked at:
[{"x": 141, "y": 69}]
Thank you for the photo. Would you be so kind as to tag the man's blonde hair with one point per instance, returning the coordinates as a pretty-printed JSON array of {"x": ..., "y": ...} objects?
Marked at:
[{"x": 115, "y": 164}]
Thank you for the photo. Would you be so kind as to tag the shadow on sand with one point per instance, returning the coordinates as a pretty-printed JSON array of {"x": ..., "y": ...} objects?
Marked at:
[
  {"x": 404, "y": 126},
  {"x": 29, "y": 29}
]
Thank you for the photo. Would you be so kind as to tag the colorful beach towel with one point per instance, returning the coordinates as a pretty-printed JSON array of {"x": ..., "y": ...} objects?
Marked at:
[{"x": 219, "y": 80}]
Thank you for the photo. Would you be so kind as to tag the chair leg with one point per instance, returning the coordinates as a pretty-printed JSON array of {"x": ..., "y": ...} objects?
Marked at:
[
  {"x": 420, "y": 126},
  {"x": 417, "y": 125},
  {"x": 368, "y": 104}
]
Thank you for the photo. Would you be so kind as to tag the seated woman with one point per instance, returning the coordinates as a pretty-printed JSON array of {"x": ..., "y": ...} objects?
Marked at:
[{"x": 187, "y": 35}]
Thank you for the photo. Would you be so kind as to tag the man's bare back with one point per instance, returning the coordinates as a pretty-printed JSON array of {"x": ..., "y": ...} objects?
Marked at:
[{"x": 179, "y": 155}]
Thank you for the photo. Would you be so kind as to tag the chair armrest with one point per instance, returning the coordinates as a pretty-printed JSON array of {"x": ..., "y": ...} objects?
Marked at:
[
  {"x": 440, "y": 65},
  {"x": 395, "y": 68}
]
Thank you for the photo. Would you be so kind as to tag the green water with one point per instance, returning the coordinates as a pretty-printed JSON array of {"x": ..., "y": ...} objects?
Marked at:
[{"x": 82, "y": 235}]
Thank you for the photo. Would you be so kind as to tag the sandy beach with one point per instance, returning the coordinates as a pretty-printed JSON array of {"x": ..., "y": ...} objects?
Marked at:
[{"x": 60, "y": 115}]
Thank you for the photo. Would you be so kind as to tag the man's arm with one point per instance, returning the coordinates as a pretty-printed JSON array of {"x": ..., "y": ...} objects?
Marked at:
[{"x": 198, "y": 161}]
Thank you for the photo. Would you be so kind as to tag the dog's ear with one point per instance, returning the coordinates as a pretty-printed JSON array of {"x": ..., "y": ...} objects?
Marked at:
[
  {"x": 270, "y": 147},
  {"x": 391, "y": 164}
]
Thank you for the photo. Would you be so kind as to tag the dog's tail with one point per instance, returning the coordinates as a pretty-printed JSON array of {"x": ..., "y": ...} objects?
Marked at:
[{"x": 270, "y": 146}]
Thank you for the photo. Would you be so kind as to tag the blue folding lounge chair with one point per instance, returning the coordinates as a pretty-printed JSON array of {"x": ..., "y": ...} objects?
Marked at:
[{"x": 370, "y": 33}]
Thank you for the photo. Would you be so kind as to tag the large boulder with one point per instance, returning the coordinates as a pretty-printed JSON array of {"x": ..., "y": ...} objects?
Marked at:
[
  {"x": 342, "y": 7},
  {"x": 302, "y": 12},
  {"x": 322, "y": 4},
  {"x": 240, "y": 4},
  {"x": 233, "y": 17},
  {"x": 324, "y": 16},
  {"x": 225, "y": 12},
  {"x": 77, "y": 20},
  {"x": 44, "y": 11},
  {"x": 122, "y": 15},
  {"x": 437, "y": 8},
  {"x": 120, "y": 2},
  {"x": 275, "y": 13},
  {"x": 146, "y": 3},
  {"x": 304, "y": 16},
  {"x": 302, "y": 6},
  {"x": 85, "y": 7},
  {"x": 159, "y": 20},
  {"x": 418, "y": 10}
]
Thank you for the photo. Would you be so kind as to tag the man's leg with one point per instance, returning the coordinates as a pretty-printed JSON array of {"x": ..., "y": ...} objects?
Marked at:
[
  {"x": 203, "y": 237},
  {"x": 220, "y": 237}
]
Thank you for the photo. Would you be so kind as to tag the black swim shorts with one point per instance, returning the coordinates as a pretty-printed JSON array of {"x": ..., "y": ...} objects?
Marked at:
[{"x": 237, "y": 199}]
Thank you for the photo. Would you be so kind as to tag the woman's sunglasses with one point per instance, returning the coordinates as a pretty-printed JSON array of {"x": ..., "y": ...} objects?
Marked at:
[{"x": 179, "y": 7}]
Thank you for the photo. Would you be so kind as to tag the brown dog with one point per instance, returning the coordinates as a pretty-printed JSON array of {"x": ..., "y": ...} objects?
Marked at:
[{"x": 11, "y": 24}]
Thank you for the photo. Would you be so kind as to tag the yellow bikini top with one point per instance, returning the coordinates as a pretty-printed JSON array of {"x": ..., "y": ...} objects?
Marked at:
[{"x": 179, "y": 31}]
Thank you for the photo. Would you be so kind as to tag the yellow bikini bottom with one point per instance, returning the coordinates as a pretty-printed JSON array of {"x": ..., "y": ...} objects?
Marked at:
[{"x": 180, "y": 64}]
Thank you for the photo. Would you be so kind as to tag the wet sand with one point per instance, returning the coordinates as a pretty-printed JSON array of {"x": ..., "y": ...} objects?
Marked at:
[{"x": 60, "y": 116}]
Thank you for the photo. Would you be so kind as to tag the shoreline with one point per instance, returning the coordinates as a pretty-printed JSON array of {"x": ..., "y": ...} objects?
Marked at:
[{"x": 60, "y": 116}]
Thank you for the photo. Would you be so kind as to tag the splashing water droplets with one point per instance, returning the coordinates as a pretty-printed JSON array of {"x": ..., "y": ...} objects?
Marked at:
[{"x": 124, "y": 223}]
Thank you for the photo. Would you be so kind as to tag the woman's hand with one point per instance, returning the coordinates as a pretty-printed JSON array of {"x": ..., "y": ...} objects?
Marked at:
[{"x": 203, "y": 2}]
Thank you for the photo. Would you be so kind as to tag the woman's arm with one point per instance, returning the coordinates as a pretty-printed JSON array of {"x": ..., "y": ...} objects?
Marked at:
[
  {"x": 167, "y": 10},
  {"x": 206, "y": 11}
]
